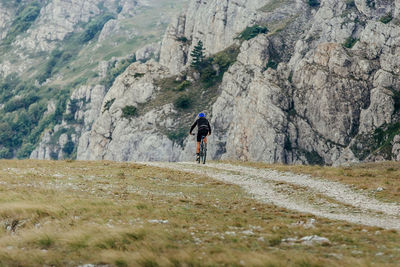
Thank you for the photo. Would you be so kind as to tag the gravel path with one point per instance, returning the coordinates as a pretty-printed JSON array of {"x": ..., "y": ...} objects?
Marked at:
[{"x": 322, "y": 198}]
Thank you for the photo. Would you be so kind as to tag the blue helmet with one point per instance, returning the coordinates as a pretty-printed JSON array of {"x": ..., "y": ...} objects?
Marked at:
[{"x": 202, "y": 115}]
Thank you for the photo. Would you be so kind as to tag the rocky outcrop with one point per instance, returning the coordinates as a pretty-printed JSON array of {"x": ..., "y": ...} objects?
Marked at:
[
  {"x": 322, "y": 87},
  {"x": 123, "y": 136},
  {"x": 216, "y": 23},
  {"x": 82, "y": 110}
]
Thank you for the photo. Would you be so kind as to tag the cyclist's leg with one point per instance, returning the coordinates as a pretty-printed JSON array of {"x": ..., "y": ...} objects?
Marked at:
[
  {"x": 198, "y": 143},
  {"x": 203, "y": 133}
]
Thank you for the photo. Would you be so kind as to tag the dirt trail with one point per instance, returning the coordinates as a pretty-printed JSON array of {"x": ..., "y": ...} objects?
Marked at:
[{"x": 301, "y": 193}]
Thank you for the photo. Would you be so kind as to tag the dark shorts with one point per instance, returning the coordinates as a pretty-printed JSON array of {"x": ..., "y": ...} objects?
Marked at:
[{"x": 202, "y": 132}]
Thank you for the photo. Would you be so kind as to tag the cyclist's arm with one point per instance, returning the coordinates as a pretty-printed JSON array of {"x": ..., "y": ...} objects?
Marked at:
[
  {"x": 193, "y": 126},
  {"x": 209, "y": 128}
]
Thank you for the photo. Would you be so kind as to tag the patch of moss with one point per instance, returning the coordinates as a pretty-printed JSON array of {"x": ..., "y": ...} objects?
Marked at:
[
  {"x": 350, "y": 4},
  {"x": 313, "y": 158},
  {"x": 251, "y": 32},
  {"x": 183, "y": 102},
  {"x": 129, "y": 112},
  {"x": 377, "y": 143},
  {"x": 272, "y": 5},
  {"x": 108, "y": 105},
  {"x": 350, "y": 42},
  {"x": 271, "y": 64},
  {"x": 387, "y": 18},
  {"x": 314, "y": 3}
]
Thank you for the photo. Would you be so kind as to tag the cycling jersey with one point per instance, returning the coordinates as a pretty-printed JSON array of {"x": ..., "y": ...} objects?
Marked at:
[{"x": 202, "y": 125}]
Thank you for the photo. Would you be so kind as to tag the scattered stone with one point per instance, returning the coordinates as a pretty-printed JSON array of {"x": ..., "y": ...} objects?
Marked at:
[
  {"x": 307, "y": 225},
  {"x": 248, "y": 232},
  {"x": 230, "y": 233},
  {"x": 261, "y": 239},
  {"x": 310, "y": 240},
  {"x": 337, "y": 256},
  {"x": 380, "y": 189},
  {"x": 158, "y": 221},
  {"x": 307, "y": 240},
  {"x": 379, "y": 254}
]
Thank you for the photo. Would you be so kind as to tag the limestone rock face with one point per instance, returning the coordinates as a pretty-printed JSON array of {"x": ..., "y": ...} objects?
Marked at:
[
  {"x": 56, "y": 20},
  {"x": 116, "y": 136},
  {"x": 85, "y": 106},
  {"x": 148, "y": 52},
  {"x": 215, "y": 22},
  {"x": 322, "y": 87}
]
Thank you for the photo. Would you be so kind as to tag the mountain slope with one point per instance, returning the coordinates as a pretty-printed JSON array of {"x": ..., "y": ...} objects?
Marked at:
[
  {"x": 320, "y": 87},
  {"x": 50, "y": 48}
]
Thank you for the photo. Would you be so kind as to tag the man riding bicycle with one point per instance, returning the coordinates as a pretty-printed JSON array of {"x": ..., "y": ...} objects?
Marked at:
[{"x": 203, "y": 129}]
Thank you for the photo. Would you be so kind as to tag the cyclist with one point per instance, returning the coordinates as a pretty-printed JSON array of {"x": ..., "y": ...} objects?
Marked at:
[{"x": 203, "y": 129}]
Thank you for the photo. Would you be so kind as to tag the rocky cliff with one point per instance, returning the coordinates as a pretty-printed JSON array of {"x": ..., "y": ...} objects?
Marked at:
[{"x": 321, "y": 86}]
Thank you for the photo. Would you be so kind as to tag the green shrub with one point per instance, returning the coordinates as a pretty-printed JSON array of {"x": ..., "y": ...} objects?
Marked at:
[
  {"x": 108, "y": 104},
  {"x": 19, "y": 103},
  {"x": 6, "y": 153},
  {"x": 182, "y": 39},
  {"x": 138, "y": 75},
  {"x": 183, "y": 85},
  {"x": 57, "y": 58},
  {"x": 208, "y": 75},
  {"x": 271, "y": 64},
  {"x": 371, "y": 3},
  {"x": 251, "y": 32},
  {"x": 68, "y": 148},
  {"x": 226, "y": 58},
  {"x": 314, "y": 3},
  {"x": 73, "y": 108},
  {"x": 178, "y": 135},
  {"x": 183, "y": 102},
  {"x": 25, "y": 151},
  {"x": 350, "y": 4},
  {"x": 313, "y": 158},
  {"x": 94, "y": 27},
  {"x": 212, "y": 70},
  {"x": 129, "y": 111},
  {"x": 387, "y": 18},
  {"x": 350, "y": 42}
]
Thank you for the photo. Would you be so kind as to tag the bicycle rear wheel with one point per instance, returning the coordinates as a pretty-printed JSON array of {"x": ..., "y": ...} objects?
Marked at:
[{"x": 203, "y": 152}]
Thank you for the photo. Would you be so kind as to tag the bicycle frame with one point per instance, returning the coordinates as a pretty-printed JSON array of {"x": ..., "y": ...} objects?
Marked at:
[{"x": 203, "y": 151}]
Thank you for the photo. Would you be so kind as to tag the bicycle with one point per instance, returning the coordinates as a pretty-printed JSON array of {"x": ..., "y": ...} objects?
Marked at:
[{"x": 203, "y": 151}]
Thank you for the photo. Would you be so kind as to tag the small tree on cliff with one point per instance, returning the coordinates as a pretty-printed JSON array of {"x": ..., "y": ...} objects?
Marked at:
[{"x": 197, "y": 55}]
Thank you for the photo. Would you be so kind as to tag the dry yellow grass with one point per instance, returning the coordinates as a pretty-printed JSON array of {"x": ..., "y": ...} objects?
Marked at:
[
  {"x": 367, "y": 176},
  {"x": 73, "y": 213}
]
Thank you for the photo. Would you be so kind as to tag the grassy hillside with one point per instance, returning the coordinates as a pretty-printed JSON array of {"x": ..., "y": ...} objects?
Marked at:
[
  {"x": 71, "y": 213},
  {"x": 53, "y": 75}
]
